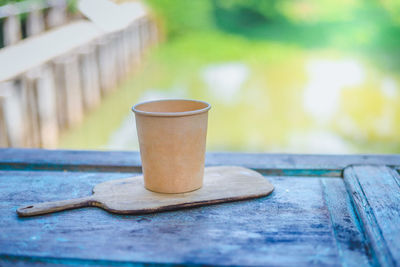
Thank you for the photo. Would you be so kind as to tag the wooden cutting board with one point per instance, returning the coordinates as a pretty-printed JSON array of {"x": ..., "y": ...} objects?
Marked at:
[{"x": 128, "y": 196}]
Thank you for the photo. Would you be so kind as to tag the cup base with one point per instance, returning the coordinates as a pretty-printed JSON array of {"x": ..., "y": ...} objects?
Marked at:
[{"x": 172, "y": 193}]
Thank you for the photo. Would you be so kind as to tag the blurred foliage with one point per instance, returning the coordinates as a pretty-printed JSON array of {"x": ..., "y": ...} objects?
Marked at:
[
  {"x": 393, "y": 7},
  {"x": 4, "y": 2},
  {"x": 72, "y": 6},
  {"x": 371, "y": 27},
  {"x": 181, "y": 14},
  {"x": 181, "y": 17}
]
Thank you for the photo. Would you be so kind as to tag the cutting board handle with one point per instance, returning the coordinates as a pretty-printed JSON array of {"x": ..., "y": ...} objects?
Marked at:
[{"x": 48, "y": 207}]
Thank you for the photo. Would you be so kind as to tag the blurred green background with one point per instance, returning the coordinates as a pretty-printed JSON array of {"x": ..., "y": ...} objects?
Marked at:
[{"x": 302, "y": 76}]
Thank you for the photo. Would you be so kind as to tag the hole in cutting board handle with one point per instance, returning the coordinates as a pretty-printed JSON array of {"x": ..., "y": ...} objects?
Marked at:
[{"x": 27, "y": 207}]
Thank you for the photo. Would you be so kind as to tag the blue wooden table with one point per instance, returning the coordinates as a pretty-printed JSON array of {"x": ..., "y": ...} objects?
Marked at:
[{"x": 325, "y": 210}]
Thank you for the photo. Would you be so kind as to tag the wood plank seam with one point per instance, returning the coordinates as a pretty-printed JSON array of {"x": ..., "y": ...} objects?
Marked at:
[
  {"x": 316, "y": 173},
  {"x": 9, "y": 258},
  {"x": 354, "y": 196},
  {"x": 396, "y": 175},
  {"x": 374, "y": 237},
  {"x": 69, "y": 168},
  {"x": 269, "y": 164},
  {"x": 339, "y": 231},
  {"x": 361, "y": 228}
]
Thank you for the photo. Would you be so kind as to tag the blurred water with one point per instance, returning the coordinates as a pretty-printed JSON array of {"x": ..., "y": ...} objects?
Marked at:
[
  {"x": 327, "y": 78},
  {"x": 312, "y": 105},
  {"x": 224, "y": 81}
]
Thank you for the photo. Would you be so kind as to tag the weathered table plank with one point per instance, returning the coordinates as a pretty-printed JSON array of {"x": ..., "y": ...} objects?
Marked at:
[
  {"x": 118, "y": 161},
  {"x": 348, "y": 234},
  {"x": 375, "y": 192},
  {"x": 307, "y": 220},
  {"x": 294, "y": 221}
]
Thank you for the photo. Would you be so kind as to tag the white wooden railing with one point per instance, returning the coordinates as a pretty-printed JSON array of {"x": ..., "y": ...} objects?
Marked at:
[
  {"x": 40, "y": 16},
  {"x": 49, "y": 81}
]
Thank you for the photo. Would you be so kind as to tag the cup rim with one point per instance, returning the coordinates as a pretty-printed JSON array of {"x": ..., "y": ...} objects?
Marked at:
[{"x": 171, "y": 114}]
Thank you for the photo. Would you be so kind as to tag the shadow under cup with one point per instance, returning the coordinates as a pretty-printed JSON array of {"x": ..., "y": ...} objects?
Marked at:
[{"x": 172, "y": 140}]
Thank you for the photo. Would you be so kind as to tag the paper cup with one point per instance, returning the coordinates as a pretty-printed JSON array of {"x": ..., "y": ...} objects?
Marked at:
[{"x": 172, "y": 140}]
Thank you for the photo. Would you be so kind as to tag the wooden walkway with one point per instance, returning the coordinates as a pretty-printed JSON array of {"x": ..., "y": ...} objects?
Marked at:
[
  {"x": 50, "y": 80},
  {"x": 35, "y": 51},
  {"x": 325, "y": 210}
]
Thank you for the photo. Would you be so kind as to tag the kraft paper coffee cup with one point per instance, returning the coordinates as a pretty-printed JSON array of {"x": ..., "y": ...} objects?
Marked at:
[{"x": 172, "y": 140}]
